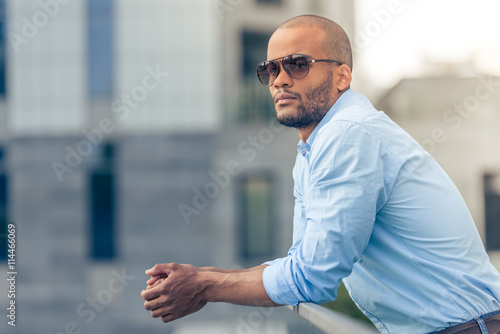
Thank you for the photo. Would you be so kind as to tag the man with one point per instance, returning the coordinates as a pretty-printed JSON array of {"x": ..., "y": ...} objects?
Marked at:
[{"x": 371, "y": 208}]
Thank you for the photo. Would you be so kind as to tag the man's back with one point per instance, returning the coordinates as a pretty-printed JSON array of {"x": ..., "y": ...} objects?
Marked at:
[
  {"x": 423, "y": 236},
  {"x": 419, "y": 262}
]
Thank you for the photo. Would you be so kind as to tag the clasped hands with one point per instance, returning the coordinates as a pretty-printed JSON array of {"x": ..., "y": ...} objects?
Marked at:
[{"x": 174, "y": 291}]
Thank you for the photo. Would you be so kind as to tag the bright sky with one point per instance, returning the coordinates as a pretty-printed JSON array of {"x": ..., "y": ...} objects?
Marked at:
[{"x": 397, "y": 45}]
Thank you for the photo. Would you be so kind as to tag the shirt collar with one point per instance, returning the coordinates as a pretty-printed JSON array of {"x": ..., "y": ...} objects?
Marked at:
[{"x": 302, "y": 147}]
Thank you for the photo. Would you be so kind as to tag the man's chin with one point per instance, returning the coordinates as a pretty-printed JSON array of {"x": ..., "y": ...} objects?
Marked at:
[
  {"x": 286, "y": 112},
  {"x": 286, "y": 117},
  {"x": 295, "y": 119},
  {"x": 290, "y": 121}
]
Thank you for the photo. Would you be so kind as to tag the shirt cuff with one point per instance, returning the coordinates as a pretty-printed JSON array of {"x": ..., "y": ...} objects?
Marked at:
[{"x": 278, "y": 282}]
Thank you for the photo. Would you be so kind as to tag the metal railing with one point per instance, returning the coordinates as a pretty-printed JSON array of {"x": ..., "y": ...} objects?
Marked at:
[{"x": 331, "y": 322}]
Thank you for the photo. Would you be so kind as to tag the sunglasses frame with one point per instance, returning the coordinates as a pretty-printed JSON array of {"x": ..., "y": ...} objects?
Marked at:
[{"x": 279, "y": 62}]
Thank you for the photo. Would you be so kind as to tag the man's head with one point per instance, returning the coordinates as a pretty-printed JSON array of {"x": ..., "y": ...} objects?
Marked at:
[{"x": 302, "y": 103}]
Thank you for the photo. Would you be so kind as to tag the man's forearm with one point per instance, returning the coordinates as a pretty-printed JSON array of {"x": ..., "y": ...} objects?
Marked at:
[
  {"x": 244, "y": 287},
  {"x": 220, "y": 270},
  {"x": 176, "y": 290}
]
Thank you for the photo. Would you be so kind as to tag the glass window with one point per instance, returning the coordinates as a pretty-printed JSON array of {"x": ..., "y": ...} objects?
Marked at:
[
  {"x": 100, "y": 48},
  {"x": 492, "y": 210},
  {"x": 102, "y": 206},
  {"x": 256, "y": 217},
  {"x": 255, "y": 102},
  {"x": 3, "y": 28},
  {"x": 272, "y": 2}
]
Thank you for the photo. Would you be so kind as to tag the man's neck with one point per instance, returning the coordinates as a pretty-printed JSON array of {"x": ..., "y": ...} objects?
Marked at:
[{"x": 305, "y": 132}]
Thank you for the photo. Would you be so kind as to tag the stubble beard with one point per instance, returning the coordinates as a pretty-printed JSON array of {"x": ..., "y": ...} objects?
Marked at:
[{"x": 318, "y": 102}]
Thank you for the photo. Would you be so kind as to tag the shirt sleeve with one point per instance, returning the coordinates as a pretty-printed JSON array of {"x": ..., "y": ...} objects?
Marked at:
[{"x": 345, "y": 190}]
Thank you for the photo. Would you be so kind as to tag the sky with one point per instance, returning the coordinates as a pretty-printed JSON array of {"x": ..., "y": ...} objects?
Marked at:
[{"x": 397, "y": 38}]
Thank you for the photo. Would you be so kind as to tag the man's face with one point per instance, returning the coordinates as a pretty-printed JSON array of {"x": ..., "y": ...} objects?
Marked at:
[{"x": 302, "y": 102}]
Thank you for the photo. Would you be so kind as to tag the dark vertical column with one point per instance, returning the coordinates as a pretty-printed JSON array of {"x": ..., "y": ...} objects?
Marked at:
[
  {"x": 102, "y": 206},
  {"x": 100, "y": 87},
  {"x": 492, "y": 211}
]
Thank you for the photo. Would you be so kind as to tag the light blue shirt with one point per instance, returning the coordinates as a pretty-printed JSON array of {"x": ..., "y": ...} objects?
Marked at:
[{"x": 373, "y": 209}]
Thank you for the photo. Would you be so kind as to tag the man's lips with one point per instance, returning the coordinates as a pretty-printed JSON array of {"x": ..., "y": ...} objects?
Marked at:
[{"x": 284, "y": 98}]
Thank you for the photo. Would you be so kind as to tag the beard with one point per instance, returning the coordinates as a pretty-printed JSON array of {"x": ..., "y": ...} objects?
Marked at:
[{"x": 318, "y": 102}]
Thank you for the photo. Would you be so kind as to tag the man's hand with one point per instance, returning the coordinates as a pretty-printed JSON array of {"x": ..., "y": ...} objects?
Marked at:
[
  {"x": 155, "y": 280},
  {"x": 174, "y": 291}
]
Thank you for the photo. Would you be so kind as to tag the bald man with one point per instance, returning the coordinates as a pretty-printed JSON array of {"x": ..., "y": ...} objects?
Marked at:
[{"x": 372, "y": 209}]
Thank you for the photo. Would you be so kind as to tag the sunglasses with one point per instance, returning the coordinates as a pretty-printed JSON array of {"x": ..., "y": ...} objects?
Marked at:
[{"x": 296, "y": 66}]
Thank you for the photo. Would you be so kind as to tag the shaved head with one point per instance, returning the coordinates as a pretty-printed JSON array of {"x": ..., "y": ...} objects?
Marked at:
[
  {"x": 302, "y": 102},
  {"x": 336, "y": 44}
]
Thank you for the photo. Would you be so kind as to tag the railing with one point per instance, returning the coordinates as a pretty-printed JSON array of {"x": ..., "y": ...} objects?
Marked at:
[
  {"x": 331, "y": 322},
  {"x": 306, "y": 318}
]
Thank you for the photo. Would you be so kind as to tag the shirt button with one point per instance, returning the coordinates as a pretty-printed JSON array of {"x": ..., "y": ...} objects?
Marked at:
[{"x": 378, "y": 325}]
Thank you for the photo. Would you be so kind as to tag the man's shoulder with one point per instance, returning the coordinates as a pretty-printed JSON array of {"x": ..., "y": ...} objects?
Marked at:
[
  {"x": 357, "y": 108},
  {"x": 358, "y": 120},
  {"x": 359, "y": 114},
  {"x": 355, "y": 118}
]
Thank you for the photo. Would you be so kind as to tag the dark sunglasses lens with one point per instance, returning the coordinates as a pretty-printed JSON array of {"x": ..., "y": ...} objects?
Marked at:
[
  {"x": 296, "y": 65},
  {"x": 267, "y": 72}
]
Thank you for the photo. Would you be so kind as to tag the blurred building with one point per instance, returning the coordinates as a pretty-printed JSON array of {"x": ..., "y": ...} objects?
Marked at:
[
  {"x": 455, "y": 116},
  {"x": 133, "y": 133}
]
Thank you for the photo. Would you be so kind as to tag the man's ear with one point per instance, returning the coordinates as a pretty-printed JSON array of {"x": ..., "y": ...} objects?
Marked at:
[{"x": 345, "y": 77}]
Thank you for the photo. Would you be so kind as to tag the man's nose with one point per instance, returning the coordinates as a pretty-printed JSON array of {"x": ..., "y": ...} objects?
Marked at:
[{"x": 283, "y": 78}]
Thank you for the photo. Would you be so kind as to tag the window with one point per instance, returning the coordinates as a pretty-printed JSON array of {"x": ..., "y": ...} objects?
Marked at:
[
  {"x": 254, "y": 51},
  {"x": 100, "y": 48},
  {"x": 255, "y": 102},
  {"x": 271, "y": 2},
  {"x": 100, "y": 86},
  {"x": 102, "y": 206},
  {"x": 3, "y": 209},
  {"x": 492, "y": 210},
  {"x": 256, "y": 203},
  {"x": 3, "y": 49}
]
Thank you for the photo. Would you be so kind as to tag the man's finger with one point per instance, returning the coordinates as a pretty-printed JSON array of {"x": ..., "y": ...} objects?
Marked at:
[
  {"x": 153, "y": 279},
  {"x": 150, "y": 286},
  {"x": 161, "y": 268},
  {"x": 170, "y": 317},
  {"x": 156, "y": 303},
  {"x": 160, "y": 312},
  {"x": 152, "y": 293}
]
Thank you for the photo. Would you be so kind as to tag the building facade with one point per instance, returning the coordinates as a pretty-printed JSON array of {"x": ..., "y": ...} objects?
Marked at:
[{"x": 131, "y": 134}]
